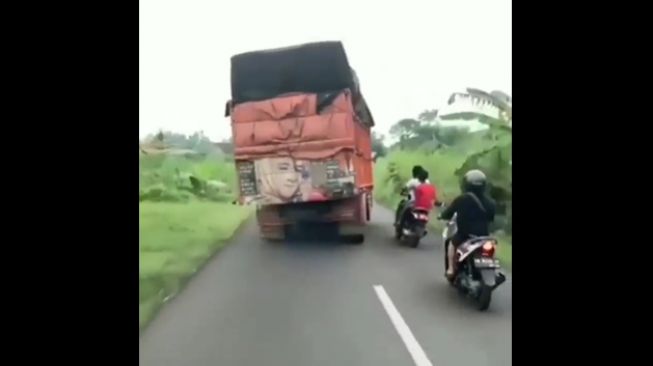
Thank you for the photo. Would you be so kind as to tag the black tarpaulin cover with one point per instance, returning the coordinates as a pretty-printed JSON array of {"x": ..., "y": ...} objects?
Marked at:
[{"x": 309, "y": 68}]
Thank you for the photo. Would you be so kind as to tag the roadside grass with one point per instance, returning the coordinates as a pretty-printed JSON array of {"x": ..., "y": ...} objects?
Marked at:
[
  {"x": 504, "y": 250},
  {"x": 441, "y": 166},
  {"x": 176, "y": 239}
]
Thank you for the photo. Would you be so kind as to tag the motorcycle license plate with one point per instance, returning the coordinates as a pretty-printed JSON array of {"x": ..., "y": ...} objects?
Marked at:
[{"x": 486, "y": 263}]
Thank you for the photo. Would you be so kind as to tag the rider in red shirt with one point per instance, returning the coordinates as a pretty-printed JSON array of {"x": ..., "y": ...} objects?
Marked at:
[{"x": 425, "y": 194}]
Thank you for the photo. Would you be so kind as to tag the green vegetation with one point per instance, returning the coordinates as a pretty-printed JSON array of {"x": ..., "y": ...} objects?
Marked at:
[
  {"x": 504, "y": 250},
  {"x": 186, "y": 215},
  {"x": 394, "y": 171},
  {"x": 175, "y": 178},
  {"x": 447, "y": 153},
  {"x": 175, "y": 240}
]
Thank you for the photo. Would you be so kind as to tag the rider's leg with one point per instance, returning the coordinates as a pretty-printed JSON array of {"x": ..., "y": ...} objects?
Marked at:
[
  {"x": 451, "y": 253},
  {"x": 400, "y": 209},
  {"x": 402, "y": 214}
]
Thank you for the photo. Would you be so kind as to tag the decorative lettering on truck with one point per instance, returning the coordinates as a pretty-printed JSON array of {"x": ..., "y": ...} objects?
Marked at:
[{"x": 278, "y": 180}]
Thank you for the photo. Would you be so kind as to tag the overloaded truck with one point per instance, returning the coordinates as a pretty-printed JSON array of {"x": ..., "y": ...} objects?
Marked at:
[{"x": 301, "y": 135}]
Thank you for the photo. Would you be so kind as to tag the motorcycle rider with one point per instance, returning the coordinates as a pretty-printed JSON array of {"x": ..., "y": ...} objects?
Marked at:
[
  {"x": 408, "y": 190},
  {"x": 424, "y": 196},
  {"x": 475, "y": 211},
  {"x": 425, "y": 193}
]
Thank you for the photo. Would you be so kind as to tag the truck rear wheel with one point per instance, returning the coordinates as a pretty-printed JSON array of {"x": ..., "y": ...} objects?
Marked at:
[
  {"x": 351, "y": 234},
  {"x": 272, "y": 233}
]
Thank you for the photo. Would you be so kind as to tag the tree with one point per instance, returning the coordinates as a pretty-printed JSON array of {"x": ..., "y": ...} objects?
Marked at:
[
  {"x": 197, "y": 142},
  {"x": 413, "y": 134},
  {"x": 496, "y": 163},
  {"x": 428, "y": 115},
  {"x": 500, "y": 100},
  {"x": 404, "y": 130},
  {"x": 378, "y": 146},
  {"x": 200, "y": 143},
  {"x": 451, "y": 135}
]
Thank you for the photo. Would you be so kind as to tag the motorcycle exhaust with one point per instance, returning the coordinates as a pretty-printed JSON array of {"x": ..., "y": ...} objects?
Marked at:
[
  {"x": 501, "y": 278},
  {"x": 492, "y": 278}
]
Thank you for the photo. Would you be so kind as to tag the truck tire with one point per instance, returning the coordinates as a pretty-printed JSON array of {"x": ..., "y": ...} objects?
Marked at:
[{"x": 272, "y": 234}]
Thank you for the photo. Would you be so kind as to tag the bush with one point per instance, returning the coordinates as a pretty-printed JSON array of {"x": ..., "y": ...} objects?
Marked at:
[{"x": 179, "y": 179}]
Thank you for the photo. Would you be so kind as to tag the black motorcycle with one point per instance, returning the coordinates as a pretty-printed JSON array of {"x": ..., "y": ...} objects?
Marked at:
[
  {"x": 412, "y": 227},
  {"x": 477, "y": 271}
]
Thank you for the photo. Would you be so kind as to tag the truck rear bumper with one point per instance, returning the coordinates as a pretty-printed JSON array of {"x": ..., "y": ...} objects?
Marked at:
[{"x": 350, "y": 211}]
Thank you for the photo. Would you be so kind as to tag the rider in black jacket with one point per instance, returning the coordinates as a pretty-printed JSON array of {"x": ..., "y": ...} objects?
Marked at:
[{"x": 474, "y": 209}]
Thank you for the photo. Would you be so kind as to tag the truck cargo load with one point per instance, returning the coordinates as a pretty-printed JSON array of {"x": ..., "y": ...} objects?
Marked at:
[{"x": 311, "y": 68}]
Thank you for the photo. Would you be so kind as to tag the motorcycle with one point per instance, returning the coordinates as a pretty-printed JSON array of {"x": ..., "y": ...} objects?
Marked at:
[
  {"x": 478, "y": 272},
  {"x": 412, "y": 228}
]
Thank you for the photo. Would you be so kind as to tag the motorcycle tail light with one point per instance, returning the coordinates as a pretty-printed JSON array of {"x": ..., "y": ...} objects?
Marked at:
[
  {"x": 421, "y": 216},
  {"x": 488, "y": 249}
]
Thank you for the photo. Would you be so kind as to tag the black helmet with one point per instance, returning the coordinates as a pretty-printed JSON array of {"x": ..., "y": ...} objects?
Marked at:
[{"x": 474, "y": 180}]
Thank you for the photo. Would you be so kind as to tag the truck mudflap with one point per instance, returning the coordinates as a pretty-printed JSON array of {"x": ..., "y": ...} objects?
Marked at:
[{"x": 368, "y": 208}]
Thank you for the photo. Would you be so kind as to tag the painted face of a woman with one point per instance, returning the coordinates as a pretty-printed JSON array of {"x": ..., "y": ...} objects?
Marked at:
[{"x": 285, "y": 179}]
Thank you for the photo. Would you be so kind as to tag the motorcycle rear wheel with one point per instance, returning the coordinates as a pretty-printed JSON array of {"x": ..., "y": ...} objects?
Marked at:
[
  {"x": 484, "y": 298},
  {"x": 414, "y": 241},
  {"x": 398, "y": 232}
]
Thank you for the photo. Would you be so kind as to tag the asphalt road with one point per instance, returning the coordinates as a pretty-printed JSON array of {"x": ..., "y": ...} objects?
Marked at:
[{"x": 293, "y": 304}]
